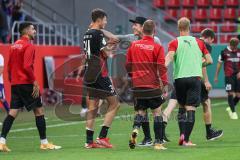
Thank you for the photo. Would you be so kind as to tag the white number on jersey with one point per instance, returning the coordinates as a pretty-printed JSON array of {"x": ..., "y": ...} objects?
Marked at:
[{"x": 87, "y": 48}]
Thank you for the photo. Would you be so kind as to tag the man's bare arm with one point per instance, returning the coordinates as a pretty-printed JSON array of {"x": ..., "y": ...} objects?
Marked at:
[
  {"x": 219, "y": 65},
  {"x": 208, "y": 60},
  {"x": 110, "y": 36},
  {"x": 169, "y": 58},
  {"x": 206, "y": 80}
]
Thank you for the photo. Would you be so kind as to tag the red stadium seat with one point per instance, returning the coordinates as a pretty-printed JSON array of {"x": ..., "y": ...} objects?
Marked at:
[
  {"x": 229, "y": 26},
  {"x": 159, "y": 3},
  {"x": 225, "y": 38},
  {"x": 197, "y": 27},
  {"x": 201, "y": 14},
  {"x": 218, "y": 3},
  {"x": 186, "y": 13},
  {"x": 203, "y": 3},
  {"x": 173, "y": 3},
  {"x": 232, "y": 3},
  {"x": 230, "y": 13},
  {"x": 188, "y": 3},
  {"x": 216, "y": 14},
  {"x": 213, "y": 26},
  {"x": 171, "y": 14}
]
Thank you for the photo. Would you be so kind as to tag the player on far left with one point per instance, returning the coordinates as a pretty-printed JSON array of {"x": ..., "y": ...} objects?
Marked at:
[
  {"x": 24, "y": 87},
  {"x": 2, "y": 93}
]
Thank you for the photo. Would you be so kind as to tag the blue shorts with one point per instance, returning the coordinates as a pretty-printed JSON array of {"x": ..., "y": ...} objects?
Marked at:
[{"x": 2, "y": 93}]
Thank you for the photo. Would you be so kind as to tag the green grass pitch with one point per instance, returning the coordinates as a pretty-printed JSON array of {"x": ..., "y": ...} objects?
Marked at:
[{"x": 24, "y": 141}]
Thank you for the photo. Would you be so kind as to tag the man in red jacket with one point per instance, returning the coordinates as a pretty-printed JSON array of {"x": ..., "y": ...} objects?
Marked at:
[
  {"x": 145, "y": 65},
  {"x": 24, "y": 87}
]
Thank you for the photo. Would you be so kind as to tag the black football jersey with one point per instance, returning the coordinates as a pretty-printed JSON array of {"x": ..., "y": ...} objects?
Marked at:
[{"x": 94, "y": 42}]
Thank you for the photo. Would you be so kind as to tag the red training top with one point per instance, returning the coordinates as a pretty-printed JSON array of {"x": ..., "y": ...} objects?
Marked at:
[
  {"x": 21, "y": 60},
  {"x": 146, "y": 63}
]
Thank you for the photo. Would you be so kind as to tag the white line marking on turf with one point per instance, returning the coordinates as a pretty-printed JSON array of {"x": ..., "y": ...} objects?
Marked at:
[
  {"x": 61, "y": 124},
  {"x": 61, "y": 136},
  {"x": 74, "y": 123},
  {"x": 30, "y": 123},
  {"x": 219, "y": 103},
  {"x": 49, "y": 126},
  {"x": 32, "y": 137}
]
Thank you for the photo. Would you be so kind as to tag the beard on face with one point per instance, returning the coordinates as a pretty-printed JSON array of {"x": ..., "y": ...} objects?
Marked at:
[{"x": 32, "y": 37}]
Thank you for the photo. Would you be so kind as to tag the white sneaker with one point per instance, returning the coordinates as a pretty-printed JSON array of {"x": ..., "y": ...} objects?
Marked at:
[
  {"x": 234, "y": 116},
  {"x": 0, "y": 123},
  {"x": 83, "y": 112},
  {"x": 49, "y": 146},
  {"x": 228, "y": 109}
]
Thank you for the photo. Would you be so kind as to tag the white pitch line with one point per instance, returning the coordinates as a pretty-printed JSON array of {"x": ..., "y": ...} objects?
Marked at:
[
  {"x": 32, "y": 137},
  {"x": 61, "y": 124},
  {"x": 61, "y": 136},
  {"x": 74, "y": 123},
  {"x": 219, "y": 103},
  {"x": 49, "y": 126},
  {"x": 29, "y": 123}
]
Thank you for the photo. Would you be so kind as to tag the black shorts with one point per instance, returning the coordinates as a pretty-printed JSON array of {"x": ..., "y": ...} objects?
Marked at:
[
  {"x": 101, "y": 88},
  {"x": 21, "y": 96},
  {"x": 188, "y": 91},
  {"x": 204, "y": 92},
  {"x": 232, "y": 84},
  {"x": 145, "y": 98}
]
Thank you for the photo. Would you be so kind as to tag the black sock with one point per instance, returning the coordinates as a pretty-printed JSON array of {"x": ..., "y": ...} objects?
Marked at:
[
  {"x": 164, "y": 128},
  {"x": 104, "y": 132},
  {"x": 158, "y": 128},
  {"x": 181, "y": 120},
  {"x": 138, "y": 119},
  {"x": 7, "y": 124},
  {"x": 146, "y": 127},
  {"x": 41, "y": 126},
  {"x": 231, "y": 103},
  {"x": 189, "y": 124},
  {"x": 236, "y": 100},
  {"x": 89, "y": 138},
  {"x": 208, "y": 128}
]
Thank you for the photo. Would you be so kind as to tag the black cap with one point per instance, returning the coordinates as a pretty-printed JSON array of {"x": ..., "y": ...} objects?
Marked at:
[{"x": 139, "y": 20}]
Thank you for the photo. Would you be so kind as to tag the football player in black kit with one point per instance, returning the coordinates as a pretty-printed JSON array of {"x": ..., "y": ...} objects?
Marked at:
[{"x": 99, "y": 85}]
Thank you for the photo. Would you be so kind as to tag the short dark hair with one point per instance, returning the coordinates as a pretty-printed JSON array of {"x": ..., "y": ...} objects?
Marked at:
[
  {"x": 234, "y": 42},
  {"x": 98, "y": 13},
  {"x": 148, "y": 27},
  {"x": 24, "y": 26},
  {"x": 208, "y": 33}
]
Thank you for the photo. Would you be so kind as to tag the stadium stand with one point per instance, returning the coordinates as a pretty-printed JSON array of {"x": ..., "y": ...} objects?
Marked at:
[
  {"x": 218, "y": 3},
  {"x": 220, "y": 15},
  {"x": 188, "y": 3},
  {"x": 201, "y": 14},
  {"x": 232, "y": 3},
  {"x": 203, "y": 3}
]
